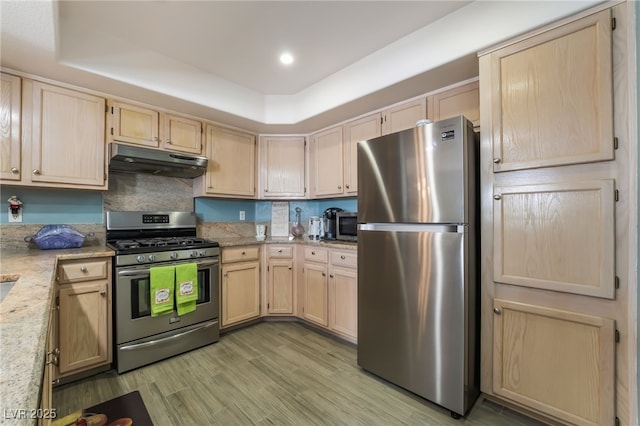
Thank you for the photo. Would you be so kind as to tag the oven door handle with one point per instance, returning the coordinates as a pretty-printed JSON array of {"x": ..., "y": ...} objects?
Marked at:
[
  {"x": 145, "y": 272},
  {"x": 158, "y": 341}
]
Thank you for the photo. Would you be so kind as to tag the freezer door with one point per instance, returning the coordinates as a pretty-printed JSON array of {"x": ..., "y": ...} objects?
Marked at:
[
  {"x": 420, "y": 175},
  {"x": 413, "y": 310}
]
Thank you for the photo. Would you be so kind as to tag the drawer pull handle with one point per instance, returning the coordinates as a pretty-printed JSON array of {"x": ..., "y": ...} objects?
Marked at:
[
  {"x": 313, "y": 253},
  {"x": 243, "y": 253},
  {"x": 83, "y": 269},
  {"x": 280, "y": 251}
]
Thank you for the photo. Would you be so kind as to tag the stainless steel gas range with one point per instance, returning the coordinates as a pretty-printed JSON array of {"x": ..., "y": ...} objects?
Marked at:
[{"x": 141, "y": 241}]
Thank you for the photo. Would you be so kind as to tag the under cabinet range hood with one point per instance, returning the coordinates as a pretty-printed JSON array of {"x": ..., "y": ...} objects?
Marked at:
[{"x": 135, "y": 159}]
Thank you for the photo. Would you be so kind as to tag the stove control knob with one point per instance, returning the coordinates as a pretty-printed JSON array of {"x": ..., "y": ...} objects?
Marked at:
[
  {"x": 193, "y": 253},
  {"x": 174, "y": 255},
  {"x": 152, "y": 257},
  {"x": 140, "y": 258},
  {"x": 203, "y": 252}
]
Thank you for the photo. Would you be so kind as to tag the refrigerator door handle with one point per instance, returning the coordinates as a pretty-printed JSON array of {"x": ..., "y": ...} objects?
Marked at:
[{"x": 412, "y": 227}]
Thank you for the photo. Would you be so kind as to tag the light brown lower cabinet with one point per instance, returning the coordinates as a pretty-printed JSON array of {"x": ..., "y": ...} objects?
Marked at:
[
  {"x": 555, "y": 361},
  {"x": 280, "y": 280},
  {"x": 83, "y": 326},
  {"x": 316, "y": 293},
  {"x": 240, "y": 289},
  {"x": 330, "y": 288}
]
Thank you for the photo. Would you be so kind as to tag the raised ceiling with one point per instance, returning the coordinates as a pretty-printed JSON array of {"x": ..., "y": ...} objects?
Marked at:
[{"x": 221, "y": 57}]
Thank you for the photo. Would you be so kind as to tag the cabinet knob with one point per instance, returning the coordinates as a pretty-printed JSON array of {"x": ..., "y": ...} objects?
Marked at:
[
  {"x": 280, "y": 251},
  {"x": 339, "y": 186},
  {"x": 14, "y": 170},
  {"x": 167, "y": 141},
  {"x": 313, "y": 253},
  {"x": 243, "y": 253},
  {"x": 497, "y": 311},
  {"x": 497, "y": 197},
  {"x": 342, "y": 257},
  {"x": 36, "y": 171},
  {"x": 330, "y": 275},
  {"x": 347, "y": 186},
  {"x": 155, "y": 138},
  {"x": 83, "y": 269},
  {"x": 290, "y": 268},
  {"x": 324, "y": 275},
  {"x": 266, "y": 190},
  {"x": 496, "y": 160}
]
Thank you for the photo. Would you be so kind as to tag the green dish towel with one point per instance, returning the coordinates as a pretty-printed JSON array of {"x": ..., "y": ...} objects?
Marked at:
[
  {"x": 162, "y": 284},
  {"x": 186, "y": 287}
]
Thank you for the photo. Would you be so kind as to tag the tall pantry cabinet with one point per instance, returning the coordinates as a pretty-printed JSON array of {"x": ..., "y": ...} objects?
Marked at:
[{"x": 554, "y": 182}]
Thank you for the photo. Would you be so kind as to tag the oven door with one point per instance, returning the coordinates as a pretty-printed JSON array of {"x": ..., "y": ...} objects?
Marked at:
[{"x": 133, "y": 318}]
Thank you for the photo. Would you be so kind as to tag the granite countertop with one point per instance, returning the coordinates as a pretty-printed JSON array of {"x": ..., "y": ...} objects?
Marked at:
[
  {"x": 244, "y": 241},
  {"x": 24, "y": 319}
]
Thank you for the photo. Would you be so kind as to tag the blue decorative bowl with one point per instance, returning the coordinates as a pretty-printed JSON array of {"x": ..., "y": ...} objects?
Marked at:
[{"x": 57, "y": 237}]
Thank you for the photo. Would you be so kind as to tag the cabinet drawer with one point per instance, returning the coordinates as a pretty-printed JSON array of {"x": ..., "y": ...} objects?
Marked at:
[
  {"x": 82, "y": 270},
  {"x": 316, "y": 254},
  {"x": 281, "y": 252},
  {"x": 240, "y": 253},
  {"x": 343, "y": 258}
]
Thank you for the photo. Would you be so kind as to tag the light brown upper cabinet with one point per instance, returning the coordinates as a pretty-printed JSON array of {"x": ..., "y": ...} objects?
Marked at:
[
  {"x": 143, "y": 126},
  {"x": 10, "y": 133},
  {"x": 551, "y": 97},
  {"x": 65, "y": 136},
  {"x": 282, "y": 161},
  {"x": 134, "y": 124},
  {"x": 232, "y": 164},
  {"x": 179, "y": 133},
  {"x": 461, "y": 100},
  {"x": 403, "y": 116},
  {"x": 326, "y": 163},
  {"x": 355, "y": 131}
]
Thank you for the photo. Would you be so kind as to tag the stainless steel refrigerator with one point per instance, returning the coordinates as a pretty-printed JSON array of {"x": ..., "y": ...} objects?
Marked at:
[{"x": 418, "y": 261}]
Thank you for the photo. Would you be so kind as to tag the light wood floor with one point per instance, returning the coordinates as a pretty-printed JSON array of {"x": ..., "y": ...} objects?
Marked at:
[{"x": 271, "y": 373}]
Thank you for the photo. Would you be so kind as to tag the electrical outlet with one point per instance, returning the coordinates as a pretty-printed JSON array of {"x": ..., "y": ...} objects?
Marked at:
[
  {"x": 15, "y": 218},
  {"x": 241, "y": 214}
]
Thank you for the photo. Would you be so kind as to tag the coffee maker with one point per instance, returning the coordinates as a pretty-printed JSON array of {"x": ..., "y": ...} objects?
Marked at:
[{"x": 329, "y": 219}]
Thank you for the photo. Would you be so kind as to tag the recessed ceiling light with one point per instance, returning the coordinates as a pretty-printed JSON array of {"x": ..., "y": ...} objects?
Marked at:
[{"x": 286, "y": 58}]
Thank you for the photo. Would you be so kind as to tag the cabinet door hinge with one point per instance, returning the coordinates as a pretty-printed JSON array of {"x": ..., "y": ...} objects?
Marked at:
[
  {"x": 617, "y": 336},
  {"x": 615, "y": 143},
  {"x": 268, "y": 271},
  {"x": 112, "y": 131},
  {"x": 616, "y": 195},
  {"x": 613, "y": 23},
  {"x": 106, "y": 108},
  {"x": 617, "y": 421},
  {"x": 58, "y": 302},
  {"x": 111, "y": 110},
  {"x": 617, "y": 282},
  {"x": 105, "y": 177}
]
